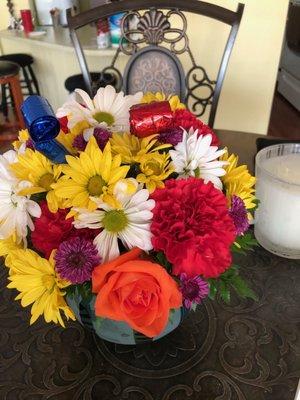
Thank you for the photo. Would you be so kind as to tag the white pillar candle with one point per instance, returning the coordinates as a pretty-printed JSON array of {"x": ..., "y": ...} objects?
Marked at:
[{"x": 277, "y": 220}]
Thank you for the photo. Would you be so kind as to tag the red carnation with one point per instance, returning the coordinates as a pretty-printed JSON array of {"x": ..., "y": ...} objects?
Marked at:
[
  {"x": 187, "y": 120},
  {"x": 51, "y": 229},
  {"x": 192, "y": 226},
  {"x": 63, "y": 121}
]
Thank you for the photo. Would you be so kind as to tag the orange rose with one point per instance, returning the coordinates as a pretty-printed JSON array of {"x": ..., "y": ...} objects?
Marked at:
[{"x": 136, "y": 291}]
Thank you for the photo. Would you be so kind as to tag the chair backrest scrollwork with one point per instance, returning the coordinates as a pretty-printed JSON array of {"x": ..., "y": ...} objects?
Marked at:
[{"x": 155, "y": 44}]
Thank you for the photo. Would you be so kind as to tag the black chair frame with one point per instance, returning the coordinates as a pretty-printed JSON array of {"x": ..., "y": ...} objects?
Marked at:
[{"x": 232, "y": 18}]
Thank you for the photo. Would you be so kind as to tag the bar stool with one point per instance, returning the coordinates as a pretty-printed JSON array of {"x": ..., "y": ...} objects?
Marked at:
[
  {"x": 29, "y": 84},
  {"x": 99, "y": 79},
  {"x": 9, "y": 74}
]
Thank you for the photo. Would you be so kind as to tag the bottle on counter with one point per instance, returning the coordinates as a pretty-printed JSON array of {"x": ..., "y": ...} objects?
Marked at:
[
  {"x": 103, "y": 35},
  {"x": 27, "y": 20},
  {"x": 115, "y": 28}
]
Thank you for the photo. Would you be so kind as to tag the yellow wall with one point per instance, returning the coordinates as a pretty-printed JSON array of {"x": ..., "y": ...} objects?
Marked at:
[
  {"x": 247, "y": 94},
  {"x": 4, "y": 15}
]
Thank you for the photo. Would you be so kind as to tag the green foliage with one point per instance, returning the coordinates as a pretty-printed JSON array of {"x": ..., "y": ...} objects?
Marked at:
[
  {"x": 134, "y": 170},
  {"x": 38, "y": 197},
  {"x": 256, "y": 202},
  {"x": 228, "y": 281},
  {"x": 244, "y": 243},
  {"x": 97, "y": 322},
  {"x": 84, "y": 290},
  {"x": 161, "y": 259}
]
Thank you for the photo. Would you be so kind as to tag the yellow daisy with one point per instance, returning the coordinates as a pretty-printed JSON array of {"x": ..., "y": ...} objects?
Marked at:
[
  {"x": 34, "y": 167},
  {"x": 155, "y": 168},
  {"x": 159, "y": 96},
  {"x": 131, "y": 148},
  {"x": 238, "y": 181},
  {"x": 7, "y": 246},
  {"x": 36, "y": 280},
  {"x": 20, "y": 144},
  {"x": 92, "y": 173}
]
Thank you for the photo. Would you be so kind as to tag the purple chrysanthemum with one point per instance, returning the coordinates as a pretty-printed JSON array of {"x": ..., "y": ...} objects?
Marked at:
[
  {"x": 238, "y": 213},
  {"x": 193, "y": 290},
  {"x": 75, "y": 259},
  {"x": 79, "y": 142},
  {"x": 29, "y": 144},
  {"x": 100, "y": 134},
  {"x": 172, "y": 136}
]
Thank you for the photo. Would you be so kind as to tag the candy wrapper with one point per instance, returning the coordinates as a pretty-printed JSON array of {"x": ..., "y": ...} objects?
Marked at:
[
  {"x": 43, "y": 128},
  {"x": 147, "y": 119}
]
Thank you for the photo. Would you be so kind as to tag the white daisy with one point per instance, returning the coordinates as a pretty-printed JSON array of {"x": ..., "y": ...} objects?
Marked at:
[
  {"x": 107, "y": 108},
  {"x": 130, "y": 223},
  {"x": 195, "y": 156},
  {"x": 15, "y": 210}
]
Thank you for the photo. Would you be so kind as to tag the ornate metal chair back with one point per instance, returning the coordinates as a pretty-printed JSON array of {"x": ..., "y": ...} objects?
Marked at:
[{"x": 154, "y": 44}]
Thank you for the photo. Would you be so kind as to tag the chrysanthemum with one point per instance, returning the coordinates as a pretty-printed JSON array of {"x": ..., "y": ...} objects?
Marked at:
[
  {"x": 38, "y": 169},
  {"x": 92, "y": 173},
  {"x": 172, "y": 136},
  {"x": 101, "y": 135},
  {"x": 24, "y": 142},
  {"x": 7, "y": 246},
  {"x": 15, "y": 210},
  {"x": 159, "y": 96},
  {"x": 238, "y": 181},
  {"x": 131, "y": 148},
  {"x": 195, "y": 156},
  {"x": 193, "y": 290},
  {"x": 238, "y": 213},
  {"x": 107, "y": 108},
  {"x": 130, "y": 223},
  {"x": 75, "y": 260},
  {"x": 35, "y": 278},
  {"x": 155, "y": 168}
]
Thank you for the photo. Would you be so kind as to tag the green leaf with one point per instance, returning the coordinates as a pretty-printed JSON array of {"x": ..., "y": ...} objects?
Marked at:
[
  {"x": 256, "y": 202},
  {"x": 243, "y": 243},
  {"x": 97, "y": 322},
  {"x": 162, "y": 260},
  {"x": 213, "y": 288},
  {"x": 225, "y": 292},
  {"x": 242, "y": 289},
  {"x": 228, "y": 281},
  {"x": 84, "y": 290},
  {"x": 38, "y": 197}
]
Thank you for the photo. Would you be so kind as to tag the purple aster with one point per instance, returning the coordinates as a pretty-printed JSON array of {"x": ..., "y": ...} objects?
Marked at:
[
  {"x": 238, "y": 213},
  {"x": 100, "y": 134},
  {"x": 29, "y": 144},
  {"x": 79, "y": 142},
  {"x": 75, "y": 259},
  {"x": 193, "y": 290},
  {"x": 172, "y": 136}
]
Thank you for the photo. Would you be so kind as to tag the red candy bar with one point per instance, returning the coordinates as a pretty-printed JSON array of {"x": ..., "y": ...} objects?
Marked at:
[{"x": 147, "y": 119}]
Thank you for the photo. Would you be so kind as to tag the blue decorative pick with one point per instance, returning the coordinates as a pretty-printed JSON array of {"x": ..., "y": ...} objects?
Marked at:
[{"x": 43, "y": 128}]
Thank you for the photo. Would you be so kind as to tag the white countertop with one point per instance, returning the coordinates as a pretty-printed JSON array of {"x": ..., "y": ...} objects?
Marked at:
[{"x": 60, "y": 39}]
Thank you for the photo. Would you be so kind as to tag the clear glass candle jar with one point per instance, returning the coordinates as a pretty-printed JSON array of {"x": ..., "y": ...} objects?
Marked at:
[{"x": 277, "y": 219}]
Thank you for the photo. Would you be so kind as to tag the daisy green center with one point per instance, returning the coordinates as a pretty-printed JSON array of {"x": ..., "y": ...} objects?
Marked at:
[
  {"x": 46, "y": 181},
  {"x": 102, "y": 116},
  {"x": 115, "y": 221},
  {"x": 197, "y": 172},
  {"x": 95, "y": 185}
]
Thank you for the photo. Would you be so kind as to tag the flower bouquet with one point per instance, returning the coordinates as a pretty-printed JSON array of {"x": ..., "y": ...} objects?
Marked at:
[{"x": 121, "y": 212}]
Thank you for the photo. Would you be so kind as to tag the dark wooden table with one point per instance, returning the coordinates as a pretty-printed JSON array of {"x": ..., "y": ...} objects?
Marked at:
[{"x": 245, "y": 351}]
